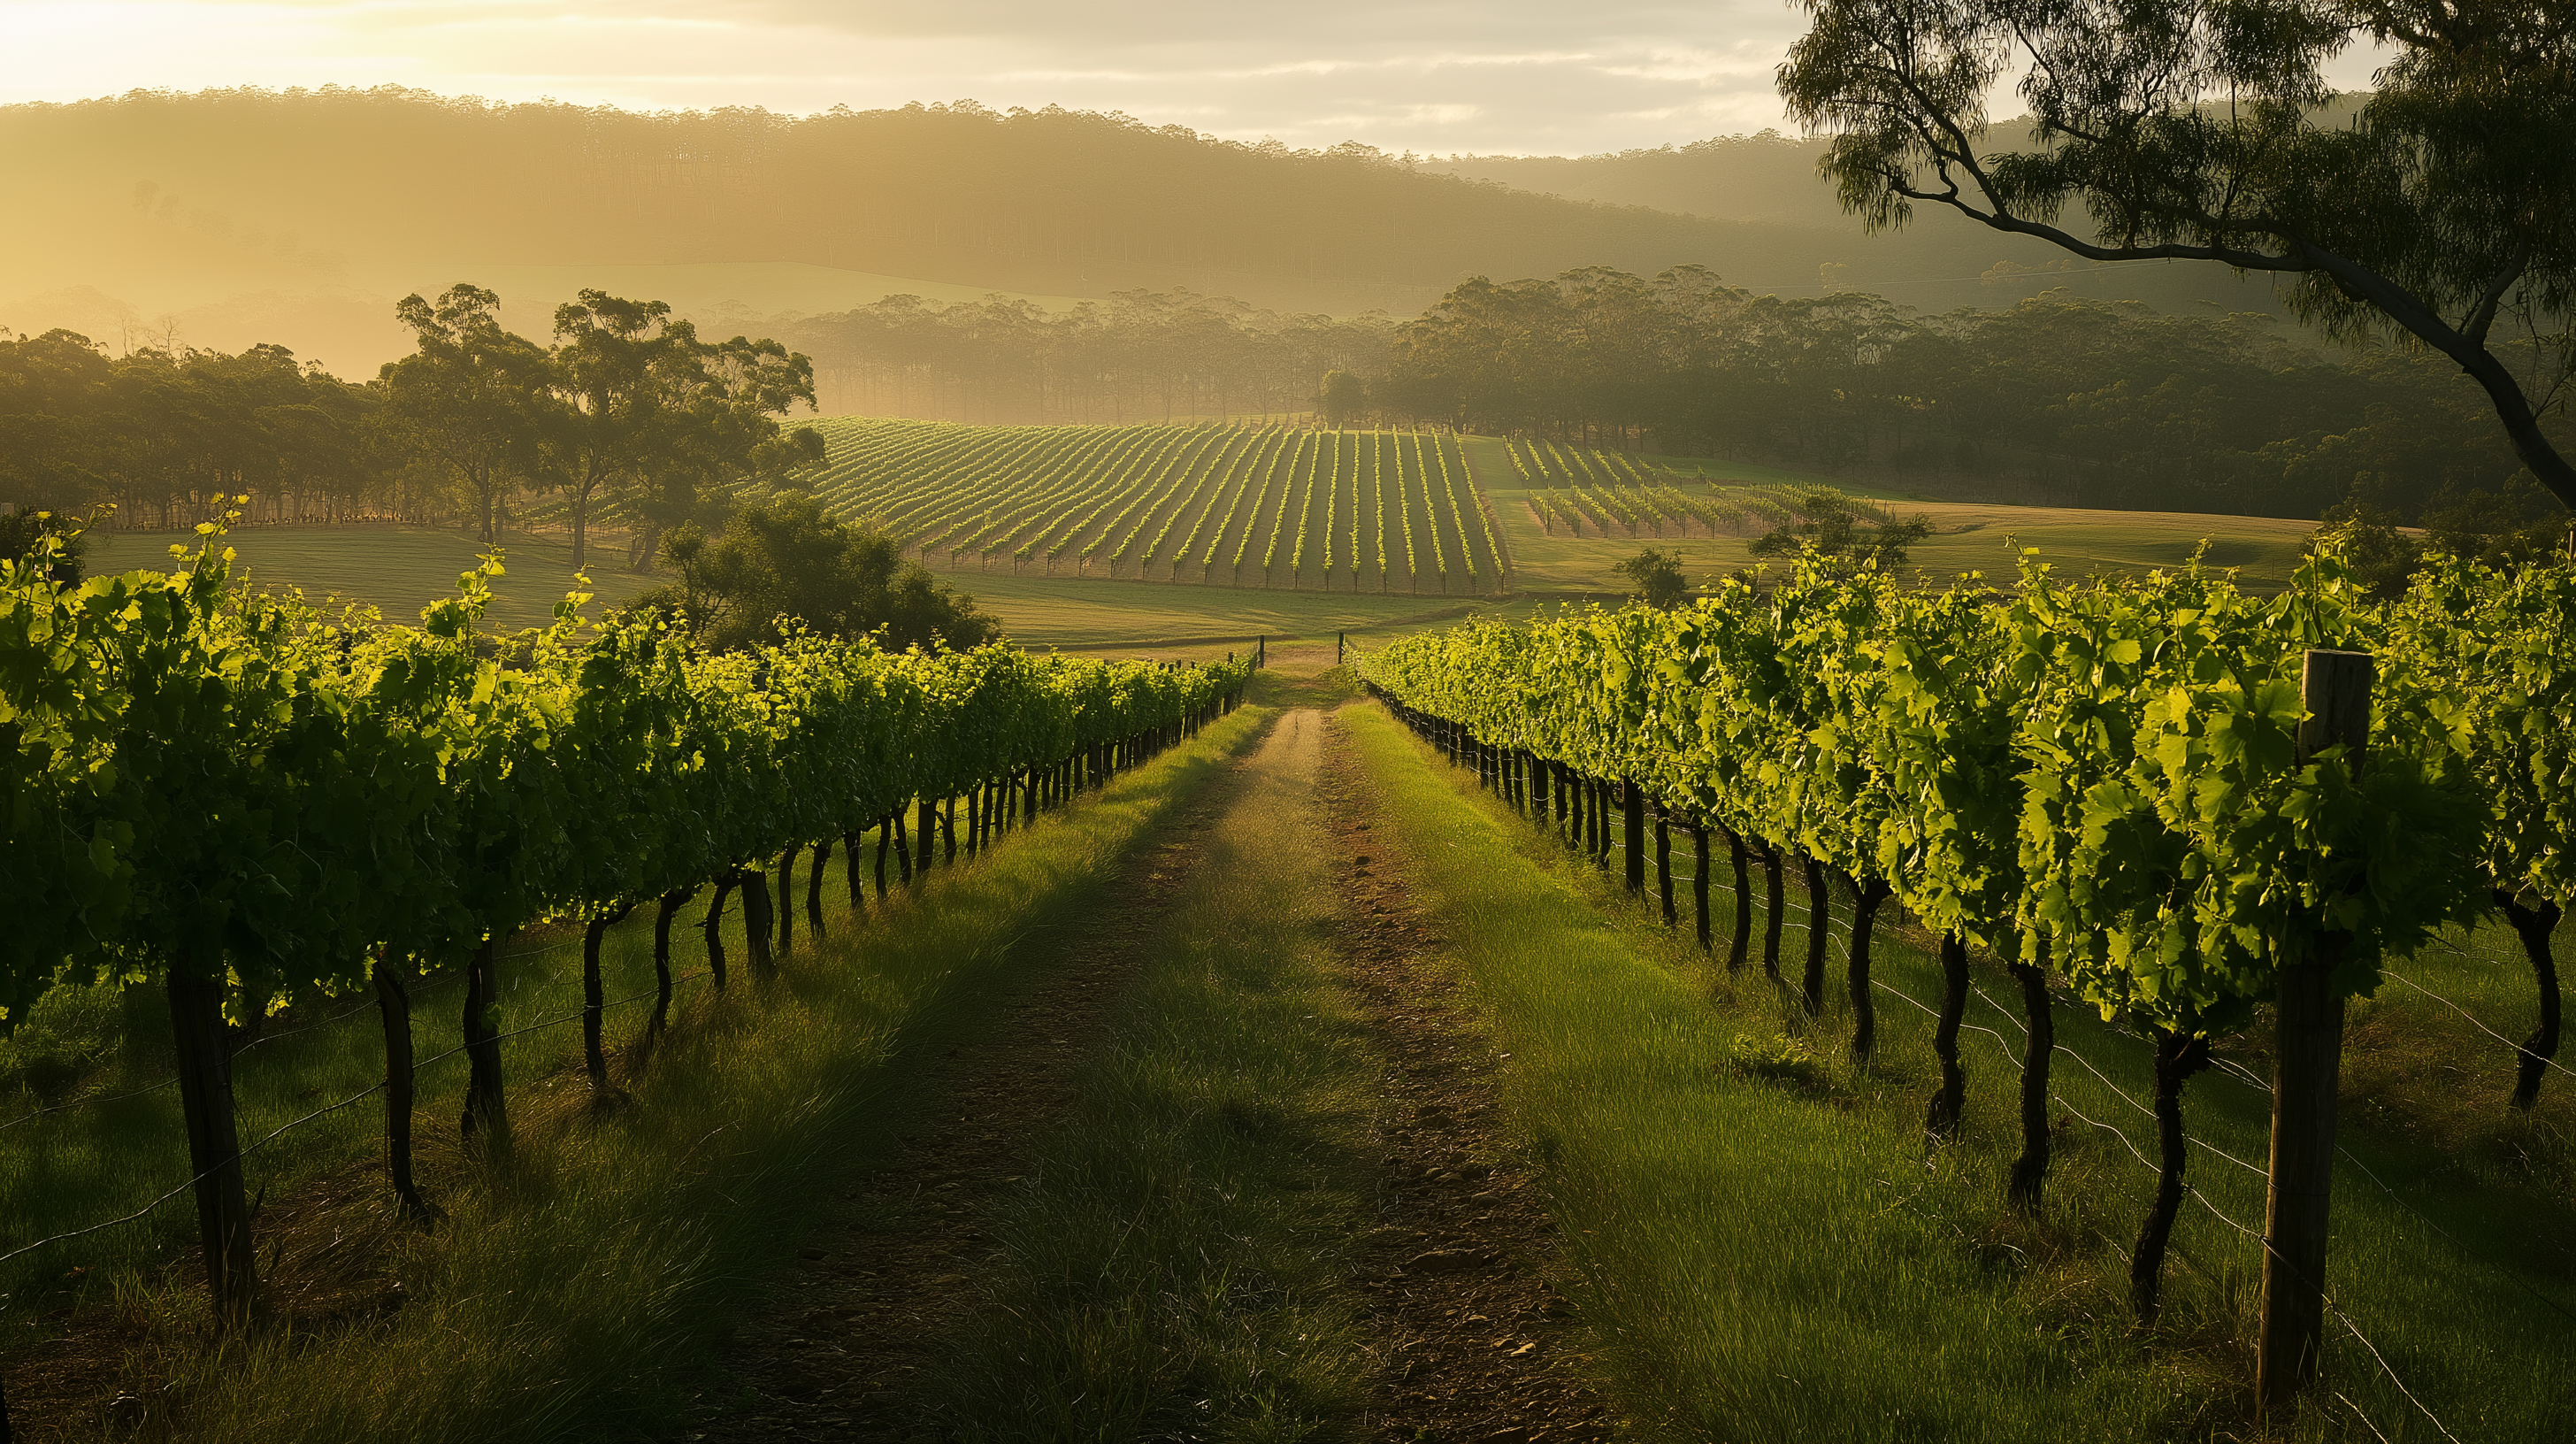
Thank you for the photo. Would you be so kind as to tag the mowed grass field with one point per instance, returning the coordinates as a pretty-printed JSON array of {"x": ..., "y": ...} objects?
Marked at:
[
  {"x": 398, "y": 570},
  {"x": 1967, "y": 536},
  {"x": 401, "y": 570}
]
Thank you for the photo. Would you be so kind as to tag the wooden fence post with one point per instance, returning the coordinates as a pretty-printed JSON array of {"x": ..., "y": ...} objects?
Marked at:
[{"x": 2334, "y": 691}]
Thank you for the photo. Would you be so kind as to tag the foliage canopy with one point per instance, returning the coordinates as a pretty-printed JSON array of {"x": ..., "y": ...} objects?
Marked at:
[{"x": 2439, "y": 208}]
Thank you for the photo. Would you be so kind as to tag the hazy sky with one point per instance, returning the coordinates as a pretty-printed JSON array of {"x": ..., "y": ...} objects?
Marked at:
[
  {"x": 1508, "y": 75},
  {"x": 1433, "y": 76}
]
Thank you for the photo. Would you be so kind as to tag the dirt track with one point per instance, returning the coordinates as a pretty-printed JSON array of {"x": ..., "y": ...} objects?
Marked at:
[{"x": 1468, "y": 1337}]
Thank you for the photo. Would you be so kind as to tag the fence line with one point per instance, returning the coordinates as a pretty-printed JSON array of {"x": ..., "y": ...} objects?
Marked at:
[{"x": 330, "y": 1108}]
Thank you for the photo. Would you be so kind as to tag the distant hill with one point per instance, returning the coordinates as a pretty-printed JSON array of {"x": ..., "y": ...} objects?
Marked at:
[
  {"x": 1939, "y": 262},
  {"x": 297, "y": 216}
]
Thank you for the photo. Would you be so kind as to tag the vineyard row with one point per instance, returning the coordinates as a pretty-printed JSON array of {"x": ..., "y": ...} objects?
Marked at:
[
  {"x": 1317, "y": 510},
  {"x": 254, "y": 806},
  {"x": 2181, "y": 800}
]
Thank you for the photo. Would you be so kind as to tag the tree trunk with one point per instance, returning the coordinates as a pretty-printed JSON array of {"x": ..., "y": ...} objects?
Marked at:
[
  {"x": 2030, "y": 1171},
  {"x": 1699, "y": 877},
  {"x": 1866, "y": 897},
  {"x": 850, "y": 864},
  {"x": 2535, "y": 926},
  {"x": 486, "y": 1107},
  {"x": 814, "y": 886},
  {"x": 1740, "y": 944},
  {"x": 885, "y": 835},
  {"x": 1776, "y": 899},
  {"x": 758, "y": 922},
  {"x": 1820, "y": 916},
  {"x": 393, "y": 1005},
  {"x": 928, "y": 828},
  {"x": 672, "y": 902},
  {"x": 2178, "y": 1056},
  {"x": 902, "y": 850},
  {"x": 787, "y": 896},
  {"x": 1664, "y": 861},
  {"x": 713, "y": 927},
  {"x": 214, "y": 1144},
  {"x": 1942, "y": 1122}
]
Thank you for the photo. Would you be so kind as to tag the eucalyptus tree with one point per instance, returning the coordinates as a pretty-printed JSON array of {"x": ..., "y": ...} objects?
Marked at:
[
  {"x": 720, "y": 433},
  {"x": 469, "y": 396},
  {"x": 2440, "y": 208},
  {"x": 614, "y": 374}
]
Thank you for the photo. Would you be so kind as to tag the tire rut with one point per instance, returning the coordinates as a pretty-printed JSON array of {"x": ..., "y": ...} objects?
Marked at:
[{"x": 1474, "y": 1341}]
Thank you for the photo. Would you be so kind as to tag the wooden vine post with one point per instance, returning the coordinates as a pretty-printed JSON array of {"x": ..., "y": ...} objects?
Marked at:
[
  {"x": 2334, "y": 691},
  {"x": 1632, "y": 800},
  {"x": 214, "y": 1146}
]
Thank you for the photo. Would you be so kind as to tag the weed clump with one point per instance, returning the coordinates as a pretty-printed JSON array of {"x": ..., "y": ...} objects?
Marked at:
[{"x": 1782, "y": 1059}]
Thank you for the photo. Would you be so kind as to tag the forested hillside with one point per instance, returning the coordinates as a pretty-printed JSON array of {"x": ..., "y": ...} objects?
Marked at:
[{"x": 251, "y": 216}]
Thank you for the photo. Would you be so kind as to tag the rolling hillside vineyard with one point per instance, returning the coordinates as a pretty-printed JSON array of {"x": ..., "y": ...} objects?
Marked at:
[
  {"x": 1225, "y": 791},
  {"x": 1197, "y": 505}
]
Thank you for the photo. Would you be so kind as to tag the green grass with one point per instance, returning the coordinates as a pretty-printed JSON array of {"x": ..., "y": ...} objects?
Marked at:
[
  {"x": 1069, "y": 612},
  {"x": 1778, "y": 1259},
  {"x": 1172, "y": 1267},
  {"x": 401, "y": 570},
  {"x": 571, "y": 1291},
  {"x": 396, "y": 569},
  {"x": 1967, "y": 536}
]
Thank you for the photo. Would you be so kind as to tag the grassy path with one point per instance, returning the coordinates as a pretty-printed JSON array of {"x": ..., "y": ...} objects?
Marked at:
[
  {"x": 1260, "y": 1193},
  {"x": 884, "y": 1329}
]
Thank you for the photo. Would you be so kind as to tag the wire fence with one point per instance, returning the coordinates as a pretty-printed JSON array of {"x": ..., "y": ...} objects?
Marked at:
[
  {"x": 330, "y": 1108},
  {"x": 1722, "y": 885},
  {"x": 420, "y": 987}
]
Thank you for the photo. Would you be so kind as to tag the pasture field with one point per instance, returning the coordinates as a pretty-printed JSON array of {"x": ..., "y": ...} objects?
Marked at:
[
  {"x": 398, "y": 570},
  {"x": 401, "y": 570},
  {"x": 1578, "y": 554}
]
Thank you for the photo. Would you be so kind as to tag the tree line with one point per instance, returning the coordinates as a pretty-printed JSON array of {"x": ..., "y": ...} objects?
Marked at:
[
  {"x": 2055, "y": 400},
  {"x": 627, "y": 408},
  {"x": 2059, "y": 399},
  {"x": 628, "y": 412}
]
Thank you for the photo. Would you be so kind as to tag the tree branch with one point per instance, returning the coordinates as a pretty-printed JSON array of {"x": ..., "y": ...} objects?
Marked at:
[{"x": 2482, "y": 315}]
